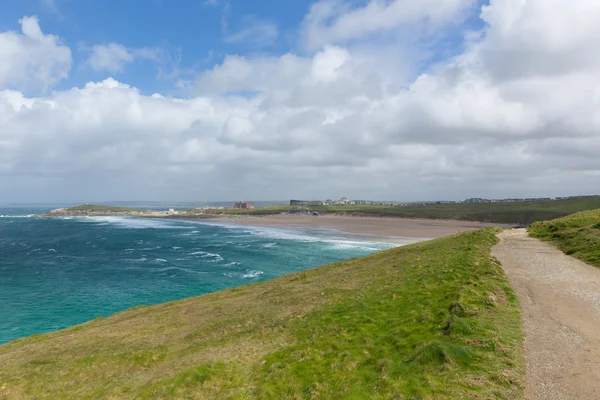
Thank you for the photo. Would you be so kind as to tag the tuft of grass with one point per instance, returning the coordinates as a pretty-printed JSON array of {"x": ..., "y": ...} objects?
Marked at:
[
  {"x": 577, "y": 235},
  {"x": 436, "y": 319}
]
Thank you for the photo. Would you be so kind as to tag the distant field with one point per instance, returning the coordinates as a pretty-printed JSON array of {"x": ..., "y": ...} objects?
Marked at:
[
  {"x": 508, "y": 213},
  {"x": 271, "y": 210},
  {"x": 434, "y": 320},
  {"x": 101, "y": 208},
  {"x": 577, "y": 235}
]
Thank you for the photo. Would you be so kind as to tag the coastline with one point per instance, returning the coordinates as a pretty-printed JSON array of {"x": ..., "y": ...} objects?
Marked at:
[
  {"x": 381, "y": 229},
  {"x": 394, "y": 230}
]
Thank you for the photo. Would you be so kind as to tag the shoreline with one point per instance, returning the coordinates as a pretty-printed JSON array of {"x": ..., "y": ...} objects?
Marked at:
[
  {"x": 394, "y": 230},
  {"x": 381, "y": 229},
  {"x": 399, "y": 229}
]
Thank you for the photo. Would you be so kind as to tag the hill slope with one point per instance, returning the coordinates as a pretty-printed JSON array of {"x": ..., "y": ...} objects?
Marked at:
[
  {"x": 436, "y": 319},
  {"x": 577, "y": 235}
]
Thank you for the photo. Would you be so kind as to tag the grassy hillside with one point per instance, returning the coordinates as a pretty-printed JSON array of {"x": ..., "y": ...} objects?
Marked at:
[
  {"x": 434, "y": 320},
  {"x": 577, "y": 235},
  {"x": 271, "y": 210},
  {"x": 101, "y": 208},
  {"x": 508, "y": 213}
]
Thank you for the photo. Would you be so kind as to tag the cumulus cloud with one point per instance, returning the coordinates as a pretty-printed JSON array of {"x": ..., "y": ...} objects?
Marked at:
[
  {"x": 32, "y": 60},
  {"x": 491, "y": 121}
]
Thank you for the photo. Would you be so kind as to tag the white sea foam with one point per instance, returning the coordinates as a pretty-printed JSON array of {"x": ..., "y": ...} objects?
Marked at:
[
  {"x": 204, "y": 254},
  {"x": 304, "y": 236},
  {"x": 191, "y": 271},
  {"x": 133, "y": 223},
  {"x": 162, "y": 260},
  {"x": 253, "y": 274},
  {"x": 268, "y": 245},
  {"x": 16, "y": 216}
]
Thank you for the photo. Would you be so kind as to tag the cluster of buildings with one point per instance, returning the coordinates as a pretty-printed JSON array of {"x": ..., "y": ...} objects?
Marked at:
[
  {"x": 344, "y": 201},
  {"x": 244, "y": 205},
  {"x": 518, "y": 200}
]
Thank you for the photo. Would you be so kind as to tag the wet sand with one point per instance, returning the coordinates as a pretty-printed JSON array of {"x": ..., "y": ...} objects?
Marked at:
[{"x": 395, "y": 230}]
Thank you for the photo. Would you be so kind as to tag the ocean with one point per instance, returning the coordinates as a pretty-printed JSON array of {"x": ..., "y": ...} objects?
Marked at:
[{"x": 57, "y": 272}]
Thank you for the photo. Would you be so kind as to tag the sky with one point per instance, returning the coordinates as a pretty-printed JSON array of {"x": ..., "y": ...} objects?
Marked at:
[{"x": 208, "y": 100}]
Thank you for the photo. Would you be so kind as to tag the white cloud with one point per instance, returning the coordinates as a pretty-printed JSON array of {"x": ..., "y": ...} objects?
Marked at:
[
  {"x": 112, "y": 57},
  {"x": 529, "y": 38},
  {"x": 491, "y": 121},
  {"x": 254, "y": 31},
  {"x": 32, "y": 60},
  {"x": 333, "y": 21}
]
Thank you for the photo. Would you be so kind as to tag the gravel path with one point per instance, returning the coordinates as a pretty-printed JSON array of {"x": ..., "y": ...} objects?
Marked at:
[{"x": 560, "y": 300}]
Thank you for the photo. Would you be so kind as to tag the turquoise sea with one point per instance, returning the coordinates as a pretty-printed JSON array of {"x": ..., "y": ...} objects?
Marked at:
[{"x": 57, "y": 272}]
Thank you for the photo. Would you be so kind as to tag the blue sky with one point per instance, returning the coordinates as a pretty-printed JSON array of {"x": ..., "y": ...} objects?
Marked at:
[
  {"x": 230, "y": 99},
  {"x": 193, "y": 33}
]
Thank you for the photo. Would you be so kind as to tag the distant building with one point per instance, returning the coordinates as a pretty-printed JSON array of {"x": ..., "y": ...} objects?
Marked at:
[
  {"x": 316, "y": 203},
  {"x": 244, "y": 204},
  {"x": 507, "y": 200},
  {"x": 578, "y": 197},
  {"x": 299, "y": 203},
  {"x": 343, "y": 201},
  {"x": 477, "y": 200}
]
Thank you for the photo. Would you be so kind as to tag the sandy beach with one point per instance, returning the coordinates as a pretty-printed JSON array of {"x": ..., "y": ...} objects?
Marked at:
[{"x": 394, "y": 230}]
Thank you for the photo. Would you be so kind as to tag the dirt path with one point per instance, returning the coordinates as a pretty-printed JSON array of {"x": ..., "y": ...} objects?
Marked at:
[{"x": 560, "y": 299}]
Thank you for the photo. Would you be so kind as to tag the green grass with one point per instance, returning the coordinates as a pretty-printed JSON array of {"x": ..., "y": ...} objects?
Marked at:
[
  {"x": 271, "y": 210},
  {"x": 433, "y": 320},
  {"x": 577, "y": 235},
  {"x": 509, "y": 213},
  {"x": 503, "y": 213},
  {"x": 101, "y": 208}
]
